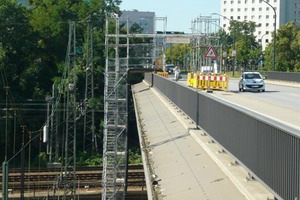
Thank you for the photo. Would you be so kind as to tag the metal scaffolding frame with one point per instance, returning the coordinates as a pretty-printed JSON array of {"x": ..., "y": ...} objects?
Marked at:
[
  {"x": 206, "y": 27},
  {"x": 122, "y": 54}
]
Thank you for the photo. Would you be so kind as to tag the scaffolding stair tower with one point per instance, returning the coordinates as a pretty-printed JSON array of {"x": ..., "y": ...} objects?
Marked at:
[{"x": 115, "y": 121}]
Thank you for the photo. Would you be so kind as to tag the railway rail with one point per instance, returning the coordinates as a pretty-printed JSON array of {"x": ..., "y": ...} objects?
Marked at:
[{"x": 48, "y": 179}]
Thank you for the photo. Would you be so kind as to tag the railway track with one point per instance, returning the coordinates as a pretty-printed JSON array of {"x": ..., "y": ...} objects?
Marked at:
[{"x": 37, "y": 180}]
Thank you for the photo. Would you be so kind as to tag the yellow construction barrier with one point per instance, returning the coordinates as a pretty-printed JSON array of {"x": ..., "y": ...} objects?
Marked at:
[
  {"x": 164, "y": 74},
  {"x": 208, "y": 81},
  {"x": 190, "y": 79}
]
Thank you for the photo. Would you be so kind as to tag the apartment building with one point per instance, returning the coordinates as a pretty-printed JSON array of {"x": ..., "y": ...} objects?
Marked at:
[
  {"x": 145, "y": 20},
  {"x": 262, "y": 12}
]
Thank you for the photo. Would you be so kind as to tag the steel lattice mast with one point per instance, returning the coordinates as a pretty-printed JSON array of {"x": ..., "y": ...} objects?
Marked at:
[
  {"x": 69, "y": 175},
  {"x": 89, "y": 140}
]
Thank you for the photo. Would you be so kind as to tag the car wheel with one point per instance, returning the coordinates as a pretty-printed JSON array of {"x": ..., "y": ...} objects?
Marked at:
[
  {"x": 242, "y": 89},
  {"x": 263, "y": 90}
]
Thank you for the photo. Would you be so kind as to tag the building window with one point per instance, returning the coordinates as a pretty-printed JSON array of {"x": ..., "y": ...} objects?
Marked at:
[
  {"x": 259, "y": 32},
  {"x": 267, "y": 24},
  {"x": 224, "y": 10},
  {"x": 252, "y": 17},
  {"x": 245, "y": 17},
  {"x": 246, "y": 1},
  {"x": 239, "y": 1},
  {"x": 231, "y": 2},
  {"x": 253, "y": 1},
  {"x": 253, "y": 9},
  {"x": 267, "y": 8},
  {"x": 259, "y": 17},
  {"x": 238, "y": 17},
  {"x": 246, "y": 9},
  {"x": 231, "y": 9},
  {"x": 267, "y": 16},
  {"x": 260, "y": 9},
  {"x": 267, "y": 40},
  {"x": 225, "y": 2},
  {"x": 239, "y": 10}
]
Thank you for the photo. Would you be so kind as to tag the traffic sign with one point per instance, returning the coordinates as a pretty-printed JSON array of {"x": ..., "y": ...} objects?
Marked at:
[{"x": 211, "y": 53}]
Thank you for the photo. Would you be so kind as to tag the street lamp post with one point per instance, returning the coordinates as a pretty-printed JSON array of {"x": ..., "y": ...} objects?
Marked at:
[
  {"x": 261, "y": 56},
  {"x": 234, "y": 42},
  {"x": 261, "y": 39},
  {"x": 274, "y": 45}
]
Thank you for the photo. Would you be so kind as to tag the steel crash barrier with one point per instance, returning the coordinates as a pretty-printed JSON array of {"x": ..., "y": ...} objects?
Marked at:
[
  {"x": 207, "y": 81},
  {"x": 267, "y": 148}
]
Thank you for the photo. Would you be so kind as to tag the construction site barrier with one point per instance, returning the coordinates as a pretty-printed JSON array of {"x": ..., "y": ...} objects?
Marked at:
[
  {"x": 207, "y": 81},
  {"x": 164, "y": 74}
]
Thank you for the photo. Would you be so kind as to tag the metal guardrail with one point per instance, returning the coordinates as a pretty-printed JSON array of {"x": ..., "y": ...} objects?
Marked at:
[
  {"x": 284, "y": 76},
  {"x": 269, "y": 150}
]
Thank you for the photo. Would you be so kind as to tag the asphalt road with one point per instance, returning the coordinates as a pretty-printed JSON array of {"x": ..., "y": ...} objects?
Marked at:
[{"x": 280, "y": 101}]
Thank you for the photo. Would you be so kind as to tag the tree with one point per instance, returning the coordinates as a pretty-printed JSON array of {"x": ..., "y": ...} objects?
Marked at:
[
  {"x": 247, "y": 49},
  {"x": 17, "y": 42},
  {"x": 178, "y": 54},
  {"x": 287, "y": 49},
  {"x": 33, "y": 44}
]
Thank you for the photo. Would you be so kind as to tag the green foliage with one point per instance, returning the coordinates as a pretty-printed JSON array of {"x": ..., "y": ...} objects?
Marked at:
[
  {"x": 135, "y": 156},
  {"x": 33, "y": 46},
  {"x": 287, "y": 49},
  {"x": 88, "y": 159},
  {"x": 177, "y": 54},
  {"x": 247, "y": 49}
]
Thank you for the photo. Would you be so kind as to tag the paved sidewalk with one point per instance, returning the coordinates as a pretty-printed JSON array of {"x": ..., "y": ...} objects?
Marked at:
[{"x": 184, "y": 162}]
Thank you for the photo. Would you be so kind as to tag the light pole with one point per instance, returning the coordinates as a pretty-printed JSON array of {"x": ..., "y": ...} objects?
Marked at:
[
  {"x": 234, "y": 42},
  {"x": 274, "y": 45},
  {"x": 261, "y": 40}
]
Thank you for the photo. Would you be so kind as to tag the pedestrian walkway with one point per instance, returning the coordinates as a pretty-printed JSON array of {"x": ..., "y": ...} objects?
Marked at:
[{"x": 183, "y": 162}]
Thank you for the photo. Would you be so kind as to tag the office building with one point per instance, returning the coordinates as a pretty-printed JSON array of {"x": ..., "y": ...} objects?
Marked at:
[
  {"x": 262, "y": 14},
  {"x": 145, "y": 20}
]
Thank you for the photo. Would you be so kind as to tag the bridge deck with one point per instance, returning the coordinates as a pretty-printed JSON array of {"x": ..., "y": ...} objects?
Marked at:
[{"x": 185, "y": 164}]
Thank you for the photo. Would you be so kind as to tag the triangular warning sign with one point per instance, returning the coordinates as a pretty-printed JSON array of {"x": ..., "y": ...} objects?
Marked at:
[{"x": 211, "y": 53}]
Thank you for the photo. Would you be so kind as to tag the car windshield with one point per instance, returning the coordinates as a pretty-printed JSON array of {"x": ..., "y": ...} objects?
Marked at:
[{"x": 252, "y": 76}]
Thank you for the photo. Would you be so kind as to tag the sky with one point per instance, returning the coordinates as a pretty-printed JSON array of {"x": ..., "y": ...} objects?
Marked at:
[{"x": 179, "y": 14}]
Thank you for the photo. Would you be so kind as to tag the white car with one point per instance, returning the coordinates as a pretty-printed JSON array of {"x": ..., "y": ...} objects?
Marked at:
[{"x": 252, "y": 81}]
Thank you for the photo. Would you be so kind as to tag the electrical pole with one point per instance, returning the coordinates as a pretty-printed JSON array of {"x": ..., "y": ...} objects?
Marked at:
[
  {"x": 274, "y": 41},
  {"x": 89, "y": 140},
  {"x": 69, "y": 175},
  {"x": 22, "y": 164},
  {"x": 5, "y": 163}
]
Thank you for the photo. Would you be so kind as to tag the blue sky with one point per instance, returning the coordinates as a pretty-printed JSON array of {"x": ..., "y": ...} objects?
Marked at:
[{"x": 179, "y": 13}]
